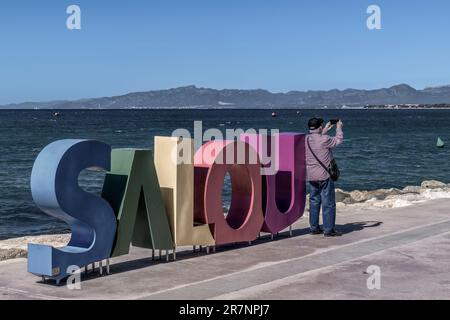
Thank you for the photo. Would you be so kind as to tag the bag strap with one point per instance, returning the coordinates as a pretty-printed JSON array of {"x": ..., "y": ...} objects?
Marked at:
[{"x": 320, "y": 162}]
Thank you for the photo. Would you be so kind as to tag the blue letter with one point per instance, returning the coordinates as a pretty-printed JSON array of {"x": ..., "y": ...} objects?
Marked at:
[{"x": 55, "y": 190}]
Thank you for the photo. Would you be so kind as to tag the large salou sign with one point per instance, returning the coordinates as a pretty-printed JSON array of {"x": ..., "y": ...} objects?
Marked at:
[{"x": 155, "y": 201}]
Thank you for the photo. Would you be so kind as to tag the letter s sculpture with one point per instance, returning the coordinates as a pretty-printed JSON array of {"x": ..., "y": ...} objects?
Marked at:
[{"x": 55, "y": 189}]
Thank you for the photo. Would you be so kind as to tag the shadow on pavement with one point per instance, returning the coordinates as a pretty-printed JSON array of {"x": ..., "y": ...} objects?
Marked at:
[
  {"x": 130, "y": 265},
  {"x": 357, "y": 226}
]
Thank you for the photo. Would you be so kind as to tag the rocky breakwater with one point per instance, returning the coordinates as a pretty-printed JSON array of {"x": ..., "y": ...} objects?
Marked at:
[{"x": 392, "y": 198}]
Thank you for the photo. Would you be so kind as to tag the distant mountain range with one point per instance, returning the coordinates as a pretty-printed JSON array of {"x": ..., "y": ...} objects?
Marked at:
[{"x": 194, "y": 97}]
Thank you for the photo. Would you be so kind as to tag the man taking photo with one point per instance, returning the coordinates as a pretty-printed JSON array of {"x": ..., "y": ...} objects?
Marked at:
[{"x": 319, "y": 156}]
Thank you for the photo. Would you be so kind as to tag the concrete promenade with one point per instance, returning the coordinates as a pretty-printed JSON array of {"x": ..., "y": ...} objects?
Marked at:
[{"x": 411, "y": 245}]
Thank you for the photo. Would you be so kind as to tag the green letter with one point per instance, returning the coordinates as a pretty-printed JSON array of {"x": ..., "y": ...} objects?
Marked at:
[{"x": 133, "y": 191}]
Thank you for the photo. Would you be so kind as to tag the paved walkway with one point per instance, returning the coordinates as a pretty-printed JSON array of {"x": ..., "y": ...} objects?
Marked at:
[{"x": 410, "y": 245}]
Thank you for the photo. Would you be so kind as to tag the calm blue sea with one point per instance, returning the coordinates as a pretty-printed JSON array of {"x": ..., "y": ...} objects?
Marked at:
[{"x": 382, "y": 148}]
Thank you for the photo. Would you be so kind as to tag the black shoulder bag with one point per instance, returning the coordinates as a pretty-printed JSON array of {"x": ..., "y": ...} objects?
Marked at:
[{"x": 332, "y": 170}]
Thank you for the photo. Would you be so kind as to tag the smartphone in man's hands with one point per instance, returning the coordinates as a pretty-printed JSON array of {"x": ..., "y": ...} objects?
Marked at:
[{"x": 334, "y": 121}]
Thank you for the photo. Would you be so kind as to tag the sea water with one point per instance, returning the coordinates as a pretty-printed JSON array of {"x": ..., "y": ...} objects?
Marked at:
[{"x": 382, "y": 148}]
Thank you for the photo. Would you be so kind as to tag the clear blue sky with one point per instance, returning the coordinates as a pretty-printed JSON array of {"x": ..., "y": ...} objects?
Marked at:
[{"x": 279, "y": 45}]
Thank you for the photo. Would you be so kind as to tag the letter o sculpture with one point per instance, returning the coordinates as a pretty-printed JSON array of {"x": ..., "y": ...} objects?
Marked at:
[{"x": 245, "y": 217}]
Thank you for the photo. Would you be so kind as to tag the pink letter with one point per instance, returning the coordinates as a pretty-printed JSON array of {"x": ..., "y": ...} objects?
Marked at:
[
  {"x": 284, "y": 194},
  {"x": 245, "y": 217}
]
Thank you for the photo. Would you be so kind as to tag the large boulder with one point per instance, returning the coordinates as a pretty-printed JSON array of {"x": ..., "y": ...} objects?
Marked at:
[
  {"x": 433, "y": 184},
  {"x": 359, "y": 196},
  {"x": 380, "y": 194},
  {"x": 14, "y": 253},
  {"x": 341, "y": 195}
]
